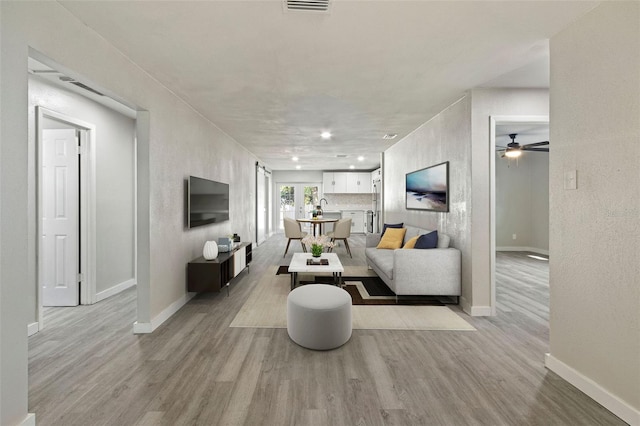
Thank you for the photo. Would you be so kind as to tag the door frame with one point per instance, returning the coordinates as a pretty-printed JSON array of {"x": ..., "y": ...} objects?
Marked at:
[
  {"x": 494, "y": 121},
  {"x": 278, "y": 185},
  {"x": 87, "y": 216}
]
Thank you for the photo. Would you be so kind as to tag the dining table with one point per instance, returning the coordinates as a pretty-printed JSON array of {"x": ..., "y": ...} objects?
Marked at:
[{"x": 317, "y": 222}]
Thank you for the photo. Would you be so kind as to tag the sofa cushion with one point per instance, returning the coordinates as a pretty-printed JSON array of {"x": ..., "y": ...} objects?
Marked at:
[
  {"x": 383, "y": 259},
  {"x": 391, "y": 225},
  {"x": 392, "y": 239},
  {"x": 427, "y": 241},
  {"x": 410, "y": 243}
]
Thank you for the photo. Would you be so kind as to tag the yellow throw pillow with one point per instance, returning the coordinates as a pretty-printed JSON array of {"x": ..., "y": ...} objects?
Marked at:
[
  {"x": 392, "y": 238},
  {"x": 411, "y": 243}
]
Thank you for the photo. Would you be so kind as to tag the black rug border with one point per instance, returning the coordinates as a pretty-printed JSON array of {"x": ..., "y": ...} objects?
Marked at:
[{"x": 355, "y": 294}]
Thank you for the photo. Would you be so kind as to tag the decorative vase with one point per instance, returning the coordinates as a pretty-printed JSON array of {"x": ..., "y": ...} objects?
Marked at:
[
  {"x": 210, "y": 250},
  {"x": 316, "y": 250}
]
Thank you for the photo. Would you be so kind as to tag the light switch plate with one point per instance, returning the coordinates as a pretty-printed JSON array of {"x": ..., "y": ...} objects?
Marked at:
[{"x": 571, "y": 179}]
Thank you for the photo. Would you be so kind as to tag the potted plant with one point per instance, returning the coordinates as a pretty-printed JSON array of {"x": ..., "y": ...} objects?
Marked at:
[{"x": 317, "y": 244}]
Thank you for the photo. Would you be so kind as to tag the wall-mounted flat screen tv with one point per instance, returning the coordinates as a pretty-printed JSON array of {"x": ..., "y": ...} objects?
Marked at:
[
  {"x": 207, "y": 202},
  {"x": 428, "y": 188}
]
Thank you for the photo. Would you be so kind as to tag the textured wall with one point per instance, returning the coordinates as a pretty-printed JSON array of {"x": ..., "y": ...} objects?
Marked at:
[
  {"x": 446, "y": 137},
  {"x": 181, "y": 143},
  {"x": 115, "y": 180},
  {"x": 595, "y": 230}
]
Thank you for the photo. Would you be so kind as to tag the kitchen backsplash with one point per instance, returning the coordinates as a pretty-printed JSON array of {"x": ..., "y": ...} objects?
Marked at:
[{"x": 347, "y": 202}]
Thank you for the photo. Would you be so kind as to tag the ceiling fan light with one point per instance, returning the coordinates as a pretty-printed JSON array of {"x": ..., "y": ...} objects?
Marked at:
[{"x": 513, "y": 153}]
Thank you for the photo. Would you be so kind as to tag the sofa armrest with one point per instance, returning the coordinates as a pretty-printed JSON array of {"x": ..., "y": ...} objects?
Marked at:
[
  {"x": 373, "y": 239},
  {"x": 427, "y": 272}
]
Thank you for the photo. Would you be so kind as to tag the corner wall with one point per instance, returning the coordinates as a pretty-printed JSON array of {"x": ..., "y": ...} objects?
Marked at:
[
  {"x": 485, "y": 104},
  {"x": 460, "y": 134},
  {"x": 595, "y": 229},
  {"x": 115, "y": 181},
  {"x": 445, "y": 137},
  {"x": 180, "y": 143}
]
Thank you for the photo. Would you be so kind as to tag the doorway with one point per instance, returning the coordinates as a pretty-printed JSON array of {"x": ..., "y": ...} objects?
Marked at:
[
  {"x": 297, "y": 200},
  {"x": 66, "y": 272},
  {"x": 526, "y": 231},
  {"x": 263, "y": 203}
]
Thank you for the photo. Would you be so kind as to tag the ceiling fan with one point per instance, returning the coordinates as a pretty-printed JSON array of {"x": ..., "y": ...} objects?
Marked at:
[{"x": 514, "y": 149}]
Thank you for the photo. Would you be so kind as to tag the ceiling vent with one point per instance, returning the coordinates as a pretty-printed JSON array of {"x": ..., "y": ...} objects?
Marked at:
[
  {"x": 81, "y": 85},
  {"x": 341, "y": 156},
  {"x": 85, "y": 87},
  {"x": 390, "y": 136},
  {"x": 308, "y": 5}
]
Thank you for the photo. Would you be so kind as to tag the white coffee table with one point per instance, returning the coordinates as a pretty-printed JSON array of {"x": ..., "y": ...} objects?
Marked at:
[{"x": 299, "y": 264}]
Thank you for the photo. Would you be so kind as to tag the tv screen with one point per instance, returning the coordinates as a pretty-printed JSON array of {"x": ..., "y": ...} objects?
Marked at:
[
  {"x": 428, "y": 188},
  {"x": 208, "y": 202}
]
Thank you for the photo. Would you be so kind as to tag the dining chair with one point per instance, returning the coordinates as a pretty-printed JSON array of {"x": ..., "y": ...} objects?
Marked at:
[
  {"x": 293, "y": 232},
  {"x": 342, "y": 231}
]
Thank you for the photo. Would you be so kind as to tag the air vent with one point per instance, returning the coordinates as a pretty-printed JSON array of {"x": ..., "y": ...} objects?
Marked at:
[
  {"x": 85, "y": 87},
  {"x": 308, "y": 5},
  {"x": 81, "y": 85},
  {"x": 341, "y": 156},
  {"x": 390, "y": 136}
]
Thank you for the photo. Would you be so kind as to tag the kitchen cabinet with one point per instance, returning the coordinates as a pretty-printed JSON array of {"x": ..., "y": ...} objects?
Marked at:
[
  {"x": 357, "y": 220},
  {"x": 359, "y": 183},
  {"x": 333, "y": 183},
  {"x": 346, "y": 183}
]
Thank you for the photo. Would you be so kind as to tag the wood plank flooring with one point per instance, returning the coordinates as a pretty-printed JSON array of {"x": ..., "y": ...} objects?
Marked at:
[{"x": 87, "y": 368}]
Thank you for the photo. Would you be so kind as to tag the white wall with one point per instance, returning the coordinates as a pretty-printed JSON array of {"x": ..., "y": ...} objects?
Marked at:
[
  {"x": 115, "y": 180},
  {"x": 522, "y": 202},
  {"x": 485, "y": 104},
  {"x": 460, "y": 134},
  {"x": 595, "y": 230},
  {"x": 446, "y": 137},
  {"x": 174, "y": 141}
]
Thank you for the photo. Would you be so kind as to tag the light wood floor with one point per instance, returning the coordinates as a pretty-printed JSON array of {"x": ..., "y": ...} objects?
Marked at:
[{"x": 87, "y": 368}]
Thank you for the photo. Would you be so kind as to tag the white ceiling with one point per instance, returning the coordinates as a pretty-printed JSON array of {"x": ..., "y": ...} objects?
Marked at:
[{"x": 274, "y": 80}]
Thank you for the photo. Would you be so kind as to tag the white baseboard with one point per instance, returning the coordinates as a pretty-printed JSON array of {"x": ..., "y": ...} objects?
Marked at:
[
  {"x": 145, "y": 327},
  {"x": 531, "y": 249},
  {"x": 474, "y": 311},
  {"x": 30, "y": 420},
  {"x": 33, "y": 328},
  {"x": 115, "y": 289},
  {"x": 599, "y": 394}
]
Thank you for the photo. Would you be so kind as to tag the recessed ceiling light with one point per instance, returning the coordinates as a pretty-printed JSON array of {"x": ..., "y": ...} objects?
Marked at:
[
  {"x": 298, "y": 167},
  {"x": 294, "y": 158},
  {"x": 361, "y": 158},
  {"x": 325, "y": 135},
  {"x": 390, "y": 136},
  {"x": 352, "y": 166}
]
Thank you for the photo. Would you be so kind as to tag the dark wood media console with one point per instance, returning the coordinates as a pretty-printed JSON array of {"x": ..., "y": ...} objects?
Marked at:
[{"x": 212, "y": 275}]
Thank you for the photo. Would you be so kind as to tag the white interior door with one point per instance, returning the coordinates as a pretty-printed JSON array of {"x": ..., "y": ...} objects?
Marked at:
[{"x": 59, "y": 183}]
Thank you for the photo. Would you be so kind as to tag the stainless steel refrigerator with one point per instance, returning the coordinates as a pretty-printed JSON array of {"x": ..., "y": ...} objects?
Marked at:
[{"x": 375, "y": 206}]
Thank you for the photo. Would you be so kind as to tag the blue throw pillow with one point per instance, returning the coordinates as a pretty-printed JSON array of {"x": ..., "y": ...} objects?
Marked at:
[
  {"x": 391, "y": 225},
  {"x": 427, "y": 241}
]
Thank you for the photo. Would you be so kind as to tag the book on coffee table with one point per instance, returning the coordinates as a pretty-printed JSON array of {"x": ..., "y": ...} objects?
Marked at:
[{"x": 318, "y": 262}]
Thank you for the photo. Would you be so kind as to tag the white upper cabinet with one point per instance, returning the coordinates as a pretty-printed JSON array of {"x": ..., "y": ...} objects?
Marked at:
[
  {"x": 364, "y": 183},
  {"x": 334, "y": 182},
  {"x": 346, "y": 183}
]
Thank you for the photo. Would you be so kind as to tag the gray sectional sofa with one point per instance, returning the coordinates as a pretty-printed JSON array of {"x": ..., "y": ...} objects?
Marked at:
[{"x": 425, "y": 272}]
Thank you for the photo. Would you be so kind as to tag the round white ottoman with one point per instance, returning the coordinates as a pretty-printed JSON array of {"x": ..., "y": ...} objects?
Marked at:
[{"x": 319, "y": 316}]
